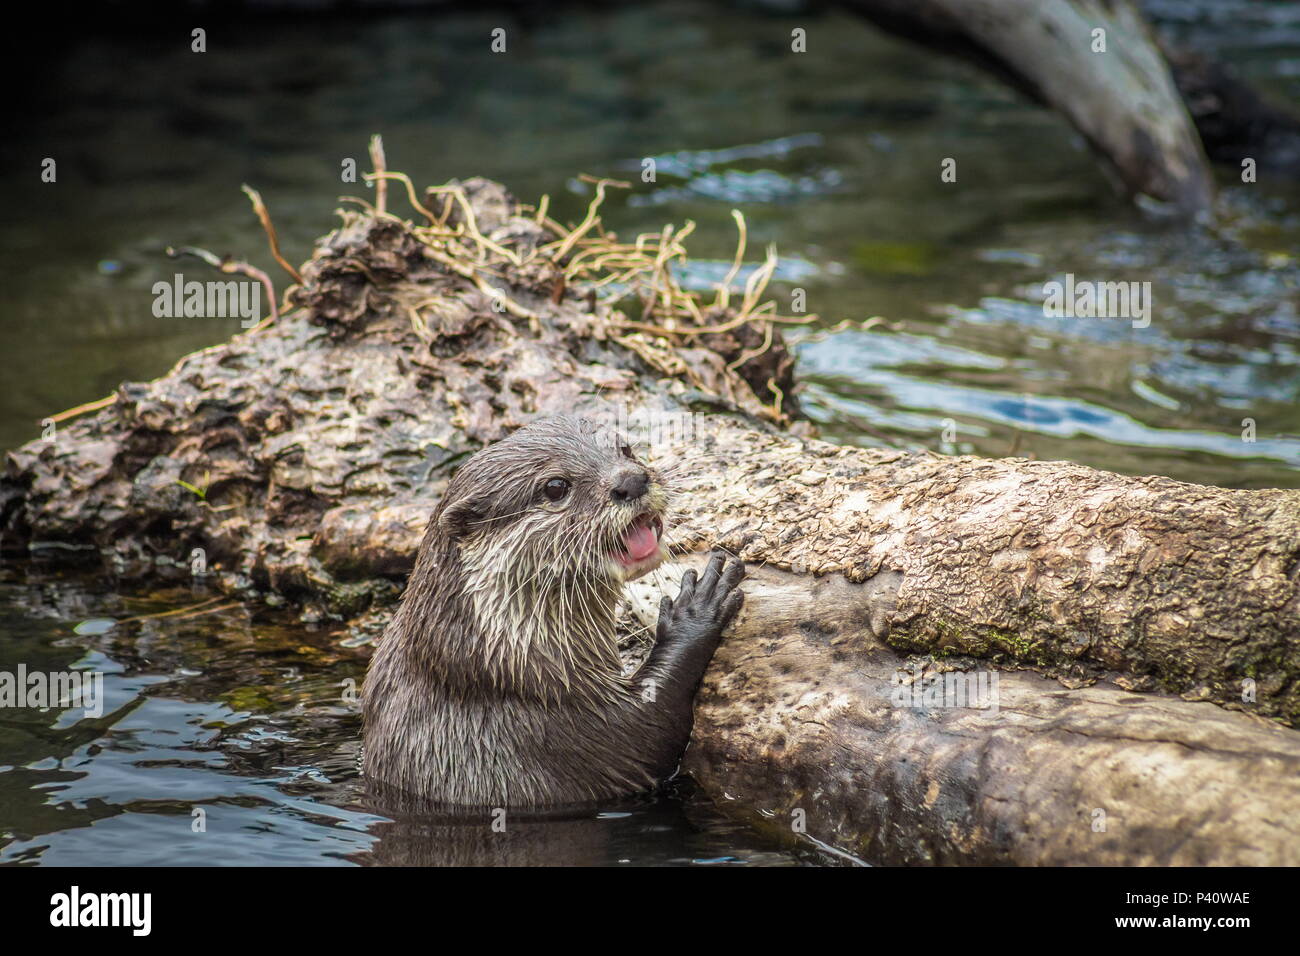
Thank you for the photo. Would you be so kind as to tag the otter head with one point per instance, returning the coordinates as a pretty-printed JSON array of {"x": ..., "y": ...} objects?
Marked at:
[{"x": 559, "y": 502}]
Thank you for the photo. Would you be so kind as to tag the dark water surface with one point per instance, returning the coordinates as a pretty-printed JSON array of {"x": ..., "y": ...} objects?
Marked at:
[
  {"x": 243, "y": 718},
  {"x": 834, "y": 155}
]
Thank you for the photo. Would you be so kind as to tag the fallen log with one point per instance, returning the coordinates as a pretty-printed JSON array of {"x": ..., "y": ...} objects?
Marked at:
[
  {"x": 301, "y": 461},
  {"x": 1076, "y": 572},
  {"x": 810, "y": 728},
  {"x": 1115, "y": 87}
]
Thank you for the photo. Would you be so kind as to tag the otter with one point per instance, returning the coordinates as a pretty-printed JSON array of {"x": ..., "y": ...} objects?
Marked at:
[{"x": 498, "y": 681}]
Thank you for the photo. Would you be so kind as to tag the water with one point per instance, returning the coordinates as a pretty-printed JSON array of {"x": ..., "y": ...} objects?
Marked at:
[
  {"x": 834, "y": 155},
  {"x": 224, "y": 738}
]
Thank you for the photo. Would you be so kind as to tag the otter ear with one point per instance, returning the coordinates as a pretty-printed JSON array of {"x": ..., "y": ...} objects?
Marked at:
[{"x": 459, "y": 517}]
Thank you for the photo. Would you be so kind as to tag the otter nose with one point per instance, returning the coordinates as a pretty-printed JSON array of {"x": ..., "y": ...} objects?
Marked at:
[{"x": 630, "y": 485}]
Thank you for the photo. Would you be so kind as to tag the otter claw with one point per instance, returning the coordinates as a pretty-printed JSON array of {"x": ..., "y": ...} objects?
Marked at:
[{"x": 705, "y": 606}]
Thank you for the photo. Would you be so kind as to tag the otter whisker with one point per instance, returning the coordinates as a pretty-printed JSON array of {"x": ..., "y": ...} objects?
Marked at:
[{"x": 508, "y": 631}]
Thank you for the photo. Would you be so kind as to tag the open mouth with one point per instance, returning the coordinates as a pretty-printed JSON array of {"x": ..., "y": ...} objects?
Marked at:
[{"x": 640, "y": 541}]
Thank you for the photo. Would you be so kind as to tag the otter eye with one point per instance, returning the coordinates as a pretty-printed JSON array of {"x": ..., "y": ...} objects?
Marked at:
[
  {"x": 555, "y": 489},
  {"x": 627, "y": 451}
]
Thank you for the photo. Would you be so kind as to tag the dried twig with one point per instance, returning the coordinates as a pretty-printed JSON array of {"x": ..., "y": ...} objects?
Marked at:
[
  {"x": 410, "y": 192},
  {"x": 565, "y": 245},
  {"x": 82, "y": 409},
  {"x": 378, "y": 165},
  {"x": 178, "y": 612},
  {"x": 233, "y": 267},
  {"x": 264, "y": 216}
]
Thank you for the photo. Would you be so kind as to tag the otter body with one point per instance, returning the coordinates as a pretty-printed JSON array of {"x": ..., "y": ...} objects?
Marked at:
[{"x": 498, "y": 682}]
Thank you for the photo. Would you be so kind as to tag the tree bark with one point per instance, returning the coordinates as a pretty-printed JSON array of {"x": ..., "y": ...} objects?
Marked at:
[
  {"x": 1075, "y": 572},
  {"x": 1122, "y": 100},
  {"x": 805, "y": 727}
]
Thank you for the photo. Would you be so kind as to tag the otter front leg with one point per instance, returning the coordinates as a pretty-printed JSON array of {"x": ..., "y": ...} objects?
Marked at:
[{"x": 689, "y": 629}]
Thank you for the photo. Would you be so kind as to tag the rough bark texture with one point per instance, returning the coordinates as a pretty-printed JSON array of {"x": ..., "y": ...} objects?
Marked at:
[
  {"x": 1123, "y": 100},
  {"x": 321, "y": 446},
  {"x": 1071, "y": 570},
  {"x": 800, "y": 722}
]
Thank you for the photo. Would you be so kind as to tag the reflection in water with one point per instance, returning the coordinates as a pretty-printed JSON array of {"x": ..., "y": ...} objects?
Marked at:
[{"x": 653, "y": 829}]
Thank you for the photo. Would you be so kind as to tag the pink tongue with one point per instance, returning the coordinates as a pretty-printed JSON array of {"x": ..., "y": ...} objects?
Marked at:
[{"x": 640, "y": 542}]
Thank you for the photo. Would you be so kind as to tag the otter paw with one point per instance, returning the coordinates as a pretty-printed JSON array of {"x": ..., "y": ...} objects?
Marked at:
[{"x": 705, "y": 606}]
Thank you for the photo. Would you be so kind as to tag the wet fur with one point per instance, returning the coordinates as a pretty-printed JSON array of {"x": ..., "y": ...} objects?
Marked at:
[{"x": 498, "y": 682}]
